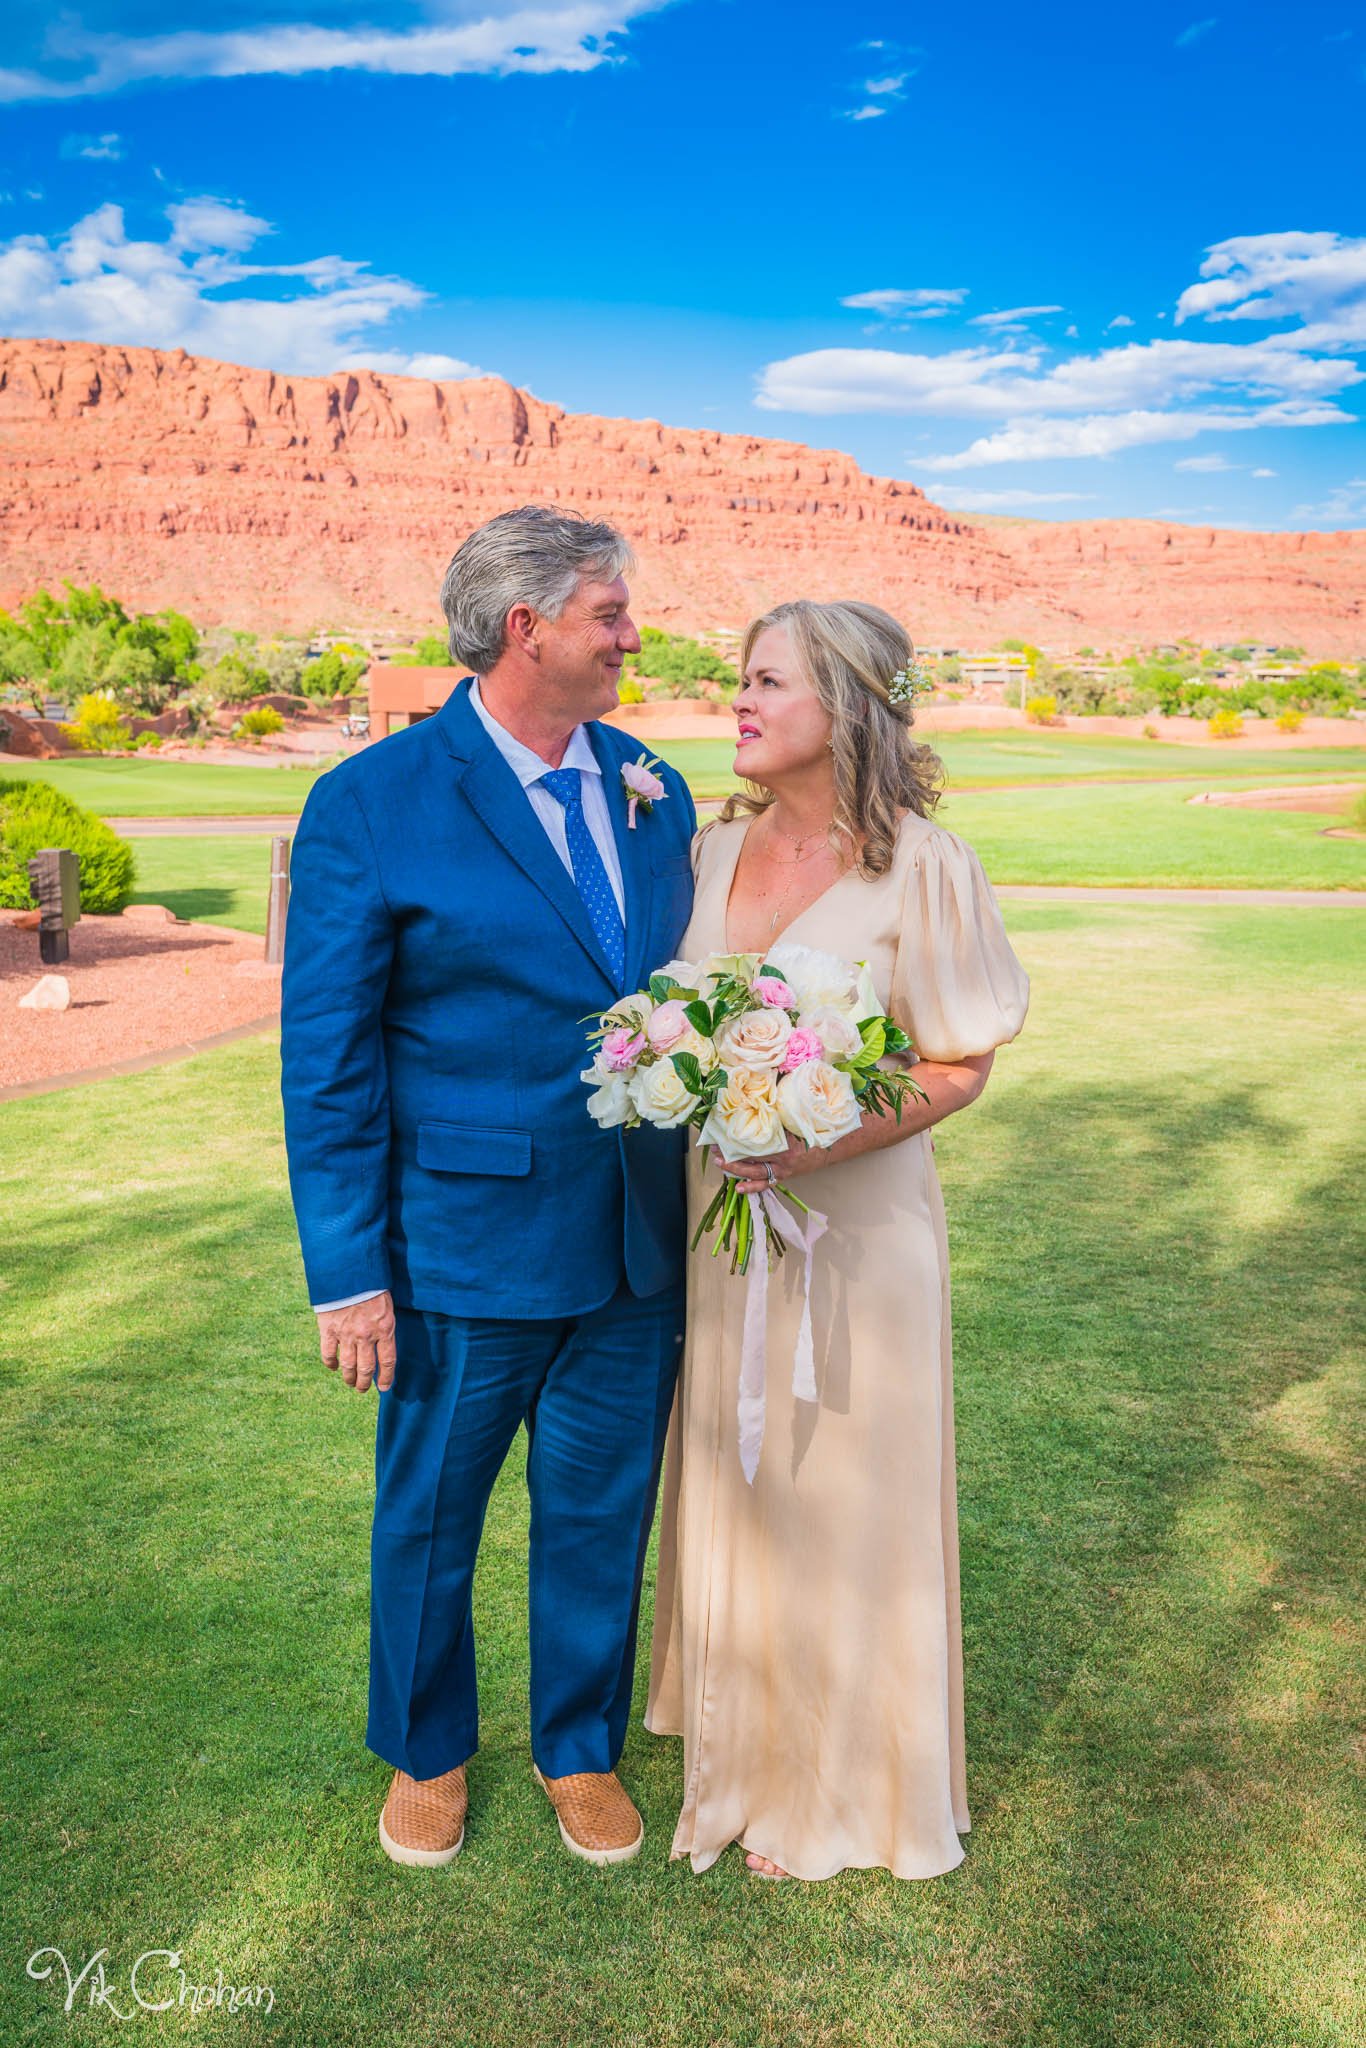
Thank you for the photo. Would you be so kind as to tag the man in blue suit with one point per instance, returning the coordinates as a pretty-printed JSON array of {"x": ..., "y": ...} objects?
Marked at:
[{"x": 465, "y": 895}]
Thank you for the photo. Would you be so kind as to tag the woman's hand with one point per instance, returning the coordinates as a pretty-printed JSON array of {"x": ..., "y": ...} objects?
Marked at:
[{"x": 753, "y": 1175}]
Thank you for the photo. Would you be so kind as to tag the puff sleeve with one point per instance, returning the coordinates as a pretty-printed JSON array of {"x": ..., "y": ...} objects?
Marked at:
[{"x": 957, "y": 986}]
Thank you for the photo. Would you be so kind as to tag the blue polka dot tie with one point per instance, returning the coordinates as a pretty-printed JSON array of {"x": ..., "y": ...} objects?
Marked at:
[{"x": 590, "y": 876}]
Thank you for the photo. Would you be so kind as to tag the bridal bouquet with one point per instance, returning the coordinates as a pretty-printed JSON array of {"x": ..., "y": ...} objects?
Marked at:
[{"x": 750, "y": 1051}]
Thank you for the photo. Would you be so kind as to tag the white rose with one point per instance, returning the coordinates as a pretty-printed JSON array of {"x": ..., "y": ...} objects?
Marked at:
[
  {"x": 680, "y": 972},
  {"x": 755, "y": 1040},
  {"x": 818, "y": 980},
  {"x": 632, "y": 1011},
  {"x": 837, "y": 1033},
  {"x": 702, "y": 1049},
  {"x": 611, "y": 1103},
  {"x": 659, "y": 1096},
  {"x": 818, "y": 1104},
  {"x": 744, "y": 1122}
]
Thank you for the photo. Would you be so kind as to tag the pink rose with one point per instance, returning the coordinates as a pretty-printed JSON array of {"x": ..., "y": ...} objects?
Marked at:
[
  {"x": 803, "y": 1045},
  {"x": 621, "y": 1049},
  {"x": 638, "y": 778},
  {"x": 776, "y": 994},
  {"x": 668, "y": 1022}
]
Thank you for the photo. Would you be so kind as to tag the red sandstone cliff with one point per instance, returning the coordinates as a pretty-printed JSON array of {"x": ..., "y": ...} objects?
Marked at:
[{"x": 305, "y": 502}]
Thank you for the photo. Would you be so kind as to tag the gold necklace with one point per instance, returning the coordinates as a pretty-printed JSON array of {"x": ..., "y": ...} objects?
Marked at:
[
  {"x": 793, "y": 840},
  {"x": 799, "y": 861}
]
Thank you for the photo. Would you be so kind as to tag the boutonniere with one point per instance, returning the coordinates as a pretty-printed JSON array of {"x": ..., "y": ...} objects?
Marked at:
[{"x": 643, "y": 787}]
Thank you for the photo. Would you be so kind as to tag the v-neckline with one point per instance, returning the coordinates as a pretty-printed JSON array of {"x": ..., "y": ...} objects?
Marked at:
[{"x": 740, "y": 838}]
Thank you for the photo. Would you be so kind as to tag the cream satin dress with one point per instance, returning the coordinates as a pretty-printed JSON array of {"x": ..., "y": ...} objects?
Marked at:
[{"x": 807, "y": 1640}]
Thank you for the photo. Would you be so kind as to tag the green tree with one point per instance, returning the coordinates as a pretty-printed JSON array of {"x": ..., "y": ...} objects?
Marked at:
[{"x": 333, "y": 674}]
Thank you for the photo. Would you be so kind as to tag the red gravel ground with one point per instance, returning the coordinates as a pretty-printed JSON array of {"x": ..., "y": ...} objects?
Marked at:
[{"x": 137, "y": 988}]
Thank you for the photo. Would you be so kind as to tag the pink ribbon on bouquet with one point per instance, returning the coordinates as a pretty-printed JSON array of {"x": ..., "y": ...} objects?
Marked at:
[{"x": 803, "y": 1237}]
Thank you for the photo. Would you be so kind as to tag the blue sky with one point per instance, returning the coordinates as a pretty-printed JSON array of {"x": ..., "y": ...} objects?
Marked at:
[{"x": 1068, "y": 262}]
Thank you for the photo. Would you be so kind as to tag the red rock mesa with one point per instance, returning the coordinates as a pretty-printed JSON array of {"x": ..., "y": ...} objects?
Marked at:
[{"x": 311, "y": 502}]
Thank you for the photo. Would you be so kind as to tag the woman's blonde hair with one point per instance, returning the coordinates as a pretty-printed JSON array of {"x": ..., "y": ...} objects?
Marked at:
[{"x": 849, "y": 654}]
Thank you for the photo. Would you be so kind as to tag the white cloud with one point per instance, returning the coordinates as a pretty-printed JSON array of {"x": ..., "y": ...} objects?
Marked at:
[
  {"x": 1013, "y": 316},
  {"x": 184, "y": 292},
  {"x": 97, "y": 148},
  {"x": 1120, "y": 320},
  {"x": 1318, "y": 279},
  {"x": 968, "y": 498},
  {"x": 502, "y": 37},
  {"x": 868, "y": 113},
  {"x": 1265, "y": 472},
  {"x": 1108, "y": 433},
  {"x": 998, "y": 383},
  {"x": 1347, "y": 502},
  {"x": 1194, "y": 32},
  {"x": 438, "y": 368},
  {"x": 1126, "y": 393},
  {"x": 919, "y": 303},
  {"x": 892, "y": 84},
  {"x": 1206, "y": 463}
]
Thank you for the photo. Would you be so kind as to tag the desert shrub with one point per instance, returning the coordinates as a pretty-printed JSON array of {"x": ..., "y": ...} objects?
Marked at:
[
  {"x": 1150, "y": 731},
  {"x": 1225, "y": 725},
  {"x": 33, "y": 815},
  {"x": 1289, "y": 720},
  {"x": 283, "y": 661},
  {"x": 1077, "y": 693},
  {"x": 98, "y": 726},
  {"x": 235, "y": 677},
  {"x": 334, "y": 674},
  {"x": 674, "y": 658},
  {"x": 260, "y": 720},
  {"x": 433, "y": 651},
  {"x": 1356, "y": 812},
  {"x": 1041, "y": 710},
  {"x": 146, "y": 742},
  {"x": 629, "y": 690}
]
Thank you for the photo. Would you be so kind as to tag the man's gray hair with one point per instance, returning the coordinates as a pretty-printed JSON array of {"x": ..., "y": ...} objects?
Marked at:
[{"x": 534, "y": 555}]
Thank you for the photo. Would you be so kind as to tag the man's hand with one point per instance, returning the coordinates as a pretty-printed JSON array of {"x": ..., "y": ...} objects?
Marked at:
[{"x": 358, "y": 1342}]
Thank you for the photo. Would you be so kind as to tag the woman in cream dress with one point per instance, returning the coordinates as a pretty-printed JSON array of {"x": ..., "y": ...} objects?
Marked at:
[{"x": 807, "y": 1640}]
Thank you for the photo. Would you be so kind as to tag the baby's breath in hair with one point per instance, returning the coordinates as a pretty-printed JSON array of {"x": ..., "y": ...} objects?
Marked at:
[{"x": 910, "y": 682}]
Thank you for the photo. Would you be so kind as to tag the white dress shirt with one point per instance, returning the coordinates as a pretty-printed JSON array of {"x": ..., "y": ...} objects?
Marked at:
[{"x": 528, "y": 767}]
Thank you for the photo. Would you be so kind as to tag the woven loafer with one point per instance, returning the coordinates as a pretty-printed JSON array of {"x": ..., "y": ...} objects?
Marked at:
[
  {"x": 597, "y": 1818},
  {"x": 423, "y": 1822}
]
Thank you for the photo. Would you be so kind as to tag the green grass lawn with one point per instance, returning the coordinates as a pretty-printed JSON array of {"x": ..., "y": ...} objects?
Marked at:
[
  {"x": 215, "y": 881},
  {"x": 175, "y": 789},
  {"x": 1155, "y": 1215},
  {"x": 146, "y": 789},
  {"x": 1124, "y": 836},
  {"x": 1153, "y": 837}
]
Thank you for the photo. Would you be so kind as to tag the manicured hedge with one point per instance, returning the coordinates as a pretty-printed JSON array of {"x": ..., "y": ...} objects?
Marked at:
[{"x": 34, "y": 815}]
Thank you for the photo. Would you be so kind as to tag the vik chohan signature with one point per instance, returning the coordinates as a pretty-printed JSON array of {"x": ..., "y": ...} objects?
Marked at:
[{"x": 157, "y": 1982}]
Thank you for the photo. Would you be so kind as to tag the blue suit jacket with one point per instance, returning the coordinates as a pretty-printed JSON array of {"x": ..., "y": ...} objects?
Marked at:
[{"x": 440, "y": 974}]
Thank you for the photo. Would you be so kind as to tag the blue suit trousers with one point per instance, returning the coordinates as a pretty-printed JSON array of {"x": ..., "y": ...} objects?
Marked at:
[{"x": 595, "y": 1392}]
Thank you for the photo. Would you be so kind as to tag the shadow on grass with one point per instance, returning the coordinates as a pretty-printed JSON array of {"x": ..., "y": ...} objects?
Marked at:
[
  {"x": 1156, "y": 1492},
  {"x": 198, "y": 905}
]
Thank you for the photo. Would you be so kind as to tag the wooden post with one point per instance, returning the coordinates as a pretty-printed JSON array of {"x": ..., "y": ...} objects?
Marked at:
[{"x": 277, "y": 906}]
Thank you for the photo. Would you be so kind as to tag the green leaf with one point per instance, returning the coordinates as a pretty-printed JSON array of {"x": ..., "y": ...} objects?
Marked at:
[
  {"x": 699, "y": 1016},
  {"x": 688, "y": 1071},
  {"x": 659, "y": 988},
  {"x": 874, "y": 1034}
]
